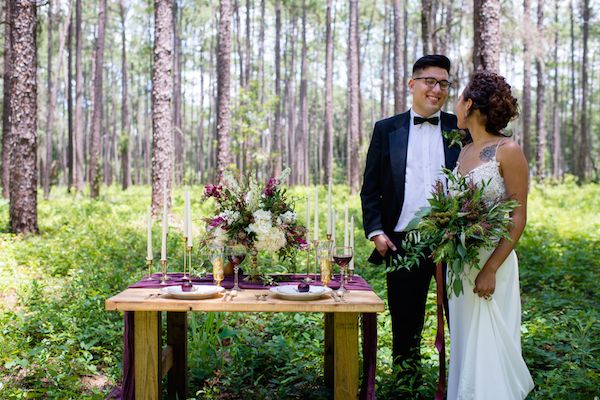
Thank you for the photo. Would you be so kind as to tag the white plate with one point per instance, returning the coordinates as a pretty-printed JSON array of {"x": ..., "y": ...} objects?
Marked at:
[
  {"x": 290, "y": 292},
  {"x": 198, "y": 292}
]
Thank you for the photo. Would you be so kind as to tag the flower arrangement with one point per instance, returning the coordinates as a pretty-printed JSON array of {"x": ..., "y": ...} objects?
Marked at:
[
  {"x": 454, "y": 227},
  {"x": 256, "y": 217}
]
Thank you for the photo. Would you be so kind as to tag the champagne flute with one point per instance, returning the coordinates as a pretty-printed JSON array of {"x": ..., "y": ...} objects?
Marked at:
[
  {"x": 216, "y": 259},
  {"x": 235, "y": 255},
  {"x": 342, "y": 256}
]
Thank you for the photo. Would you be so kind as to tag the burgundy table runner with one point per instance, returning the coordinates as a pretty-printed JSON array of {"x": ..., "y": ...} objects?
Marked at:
[{"x": 369, "y": 326}]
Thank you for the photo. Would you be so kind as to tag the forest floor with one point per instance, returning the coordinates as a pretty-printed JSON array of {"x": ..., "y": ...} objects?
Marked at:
[{"x": 58, "y": 342}]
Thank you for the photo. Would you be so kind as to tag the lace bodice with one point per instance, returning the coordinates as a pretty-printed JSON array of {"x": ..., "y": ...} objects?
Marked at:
[{"x": 488, "y": 172}]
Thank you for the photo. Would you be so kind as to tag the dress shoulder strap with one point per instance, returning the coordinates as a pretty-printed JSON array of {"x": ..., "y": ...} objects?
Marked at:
[{"x": 500, "y": 142}]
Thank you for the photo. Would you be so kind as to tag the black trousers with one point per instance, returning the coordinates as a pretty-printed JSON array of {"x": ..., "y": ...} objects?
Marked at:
[{"x": 407, "y": 296}]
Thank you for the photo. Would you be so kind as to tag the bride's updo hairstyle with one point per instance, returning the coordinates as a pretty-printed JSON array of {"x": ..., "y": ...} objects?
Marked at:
[{"x": 492, "y": 96}]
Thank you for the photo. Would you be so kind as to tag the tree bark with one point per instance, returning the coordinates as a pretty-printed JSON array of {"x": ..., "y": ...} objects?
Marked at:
[
  {"x": 399, "y": 102},
  {"x": 557, "y": 156},
  {"x": 125, "y": 145},
  {"x": 178, "y": 138},
  {"x": 49, "y": 109},
  {"x": 301, "y": 148},
  {"x": 223, "y": 87},
  {"x": 97, "y": 103},
  {"x": 23, "y": 97},
  {"x": 583, "y": 143},
  {"x": 278, "y": 149},
  {"x": 328, "y": 134},
  {"x": 486, "y": 28},
  {"x": 540, "y": 97},
  {"x": 426, "y": 22},
  {"x": 352, "y": 161},
  {"x": 78, "y": 126},
  {"x": 6, "y": 109},
  {"x": 162, "y": 105},
  {"x": 526, "y": 81},
  {"x": 71, "y": 144},
  {"x": 573, "y": 141}
]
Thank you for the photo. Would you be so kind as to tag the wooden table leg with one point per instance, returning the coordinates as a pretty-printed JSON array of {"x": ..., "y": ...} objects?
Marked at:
[
  {"x": 345, "y": 352},
  {"x": 177, "y": 339},
  {"x": 329, "y": 361},
  {"x": 147, "y": 353}
]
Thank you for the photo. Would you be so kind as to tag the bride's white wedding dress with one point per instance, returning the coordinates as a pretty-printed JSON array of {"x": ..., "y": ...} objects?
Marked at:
[{"x": 485, "y": 340}]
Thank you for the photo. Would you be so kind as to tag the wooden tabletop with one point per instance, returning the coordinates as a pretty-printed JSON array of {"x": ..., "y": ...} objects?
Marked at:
[{"x": 357, "y": 301}]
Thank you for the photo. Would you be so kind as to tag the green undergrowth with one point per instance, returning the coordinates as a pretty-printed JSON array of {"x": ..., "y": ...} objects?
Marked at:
[{"x": 58, "y": 342}]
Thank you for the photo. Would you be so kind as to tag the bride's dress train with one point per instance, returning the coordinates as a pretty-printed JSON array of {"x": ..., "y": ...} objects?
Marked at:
[{"x": 485, "y": 338}]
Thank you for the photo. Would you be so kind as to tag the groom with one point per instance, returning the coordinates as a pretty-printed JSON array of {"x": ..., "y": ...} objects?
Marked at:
[{"x": 404, "y": 160}]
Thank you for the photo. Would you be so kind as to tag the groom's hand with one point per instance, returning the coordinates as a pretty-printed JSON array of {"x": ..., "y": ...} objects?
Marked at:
[{"x": 383, "y": 243}]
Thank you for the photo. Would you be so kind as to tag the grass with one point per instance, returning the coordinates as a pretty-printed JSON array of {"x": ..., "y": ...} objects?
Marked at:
[{"x": 57, "y": 341}]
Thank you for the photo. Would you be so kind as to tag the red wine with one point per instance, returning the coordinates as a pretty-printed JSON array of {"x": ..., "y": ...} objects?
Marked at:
[
  {"x": 236, "y": 259},
  {"x": 342, "y": 261}
]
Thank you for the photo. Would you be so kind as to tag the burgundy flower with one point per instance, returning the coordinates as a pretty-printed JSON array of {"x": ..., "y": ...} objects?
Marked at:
[
  {"x": 216, "y": 221},
  {"x": 271, "y": 187},
  {"x": 213, "y": 191}
]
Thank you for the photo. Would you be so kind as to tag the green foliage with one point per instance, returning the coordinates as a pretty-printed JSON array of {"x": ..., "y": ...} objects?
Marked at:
[{"x": 58, "y": 342}]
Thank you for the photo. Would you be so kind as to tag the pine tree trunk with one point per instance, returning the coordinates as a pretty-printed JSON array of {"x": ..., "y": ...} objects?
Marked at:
[
  {"x": 23, "y": 97},
  {"x": 78, "y": 126},
  {"x": 162, "y": 104},
  {"x": 125, "y": 146},
  {"x": 385, "y": 43},
  {"x": 223, "y": 87},
  {"x": 426, "y": 28},
  {"x": 405, "y": 61},
  {"x": 328, "y": 134},
  {"x": 97, "y": 103},
  {"x": 583, "y": 143},
  {"x": 526, "y": 109},
  {"x": 178, "y": 138},
  {"x": 399, "y": 83},
  {"x": 71, "y": 143},
  {"x": 352, "y": 161},
  {"x": 290, "y": 101},
  {"x": 6, "y": 109},
  {"x": 277, "y": 147},
  {"x": 49, "y": 109},
  {"x": 486, "y": 28},
  {"x": 573, "y": 142},
  {"x": 302, "y": 132},
  {"x": 540, "y": 98},
  {"x": 557, "y": 156}
]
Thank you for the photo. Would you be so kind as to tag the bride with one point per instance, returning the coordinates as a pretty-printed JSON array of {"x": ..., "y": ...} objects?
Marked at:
[{"x": 485, "y": 321}]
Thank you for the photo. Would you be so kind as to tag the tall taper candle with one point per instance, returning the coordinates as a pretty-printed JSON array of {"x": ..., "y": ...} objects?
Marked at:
[
  {"x": 190, "y": 240},
  {"x": 186, "y": 199},
  {"x": 346, "y": 225},
  {"x": 316, "y": 232},
  {"x": 329, "y": 209},
  {"x": 351, "y": 265},
  {"x": 165, "y": 228},
  {"x": 307, "y": 219},
  {"x": 149, "y": 256},
  {"x": 333, "y": 218}
]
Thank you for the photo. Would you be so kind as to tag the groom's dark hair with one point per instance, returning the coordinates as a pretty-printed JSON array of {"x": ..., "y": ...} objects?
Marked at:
[{"x": 432, "y": 60}]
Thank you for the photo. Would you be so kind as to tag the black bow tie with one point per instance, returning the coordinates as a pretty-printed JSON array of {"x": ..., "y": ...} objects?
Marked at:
[{"x": 432, "y": 120}]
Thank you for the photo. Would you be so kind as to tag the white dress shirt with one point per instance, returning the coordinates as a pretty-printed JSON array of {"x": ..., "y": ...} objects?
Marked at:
[{"x": 424, "y": 162}]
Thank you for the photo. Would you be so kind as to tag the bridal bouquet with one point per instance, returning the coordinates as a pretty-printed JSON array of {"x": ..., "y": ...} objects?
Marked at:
[
  {"x": 454, "y": 227},
  {"x": 256, "y": 217}
]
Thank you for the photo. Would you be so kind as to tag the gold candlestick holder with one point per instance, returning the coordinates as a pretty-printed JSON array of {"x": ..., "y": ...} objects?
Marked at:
[
  {"x": 316, "y": 248},
  {"x": 350, "y": 274},
  {"x": 184, "y": 277},
  {"x": 149, "y": 262},
  {"x": 189, "y": 254},
  {"x": 163, "y": 278}
]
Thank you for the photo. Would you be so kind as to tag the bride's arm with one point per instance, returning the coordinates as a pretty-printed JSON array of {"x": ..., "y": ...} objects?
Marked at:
[{"x": 515, "y": 172}]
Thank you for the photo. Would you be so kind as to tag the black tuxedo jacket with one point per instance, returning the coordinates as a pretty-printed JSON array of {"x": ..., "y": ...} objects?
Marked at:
[{"x": 382, "y": 193}]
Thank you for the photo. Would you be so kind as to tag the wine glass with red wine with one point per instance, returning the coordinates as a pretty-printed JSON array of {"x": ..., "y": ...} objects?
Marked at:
[
  {"x": 342, "y": 256},
  {"x": 235, "y": 255}
]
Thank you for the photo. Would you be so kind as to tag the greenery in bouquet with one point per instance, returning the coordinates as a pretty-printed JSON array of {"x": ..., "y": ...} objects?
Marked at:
[
  {"x": 457, "y": 224},
  {"x": 256, "y": 217}
]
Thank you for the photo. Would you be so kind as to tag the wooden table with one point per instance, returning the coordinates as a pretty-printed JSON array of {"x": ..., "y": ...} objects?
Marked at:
[{"x": 152, "y": 361}]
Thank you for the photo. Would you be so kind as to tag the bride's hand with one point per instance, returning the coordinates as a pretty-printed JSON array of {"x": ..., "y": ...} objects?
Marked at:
[{"x": 485, "y": 283}]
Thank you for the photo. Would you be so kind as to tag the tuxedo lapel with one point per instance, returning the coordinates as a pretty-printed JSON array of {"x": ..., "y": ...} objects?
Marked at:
[
  {"x": 448, "y": 123},
  {"x": 398, "y": 141}
]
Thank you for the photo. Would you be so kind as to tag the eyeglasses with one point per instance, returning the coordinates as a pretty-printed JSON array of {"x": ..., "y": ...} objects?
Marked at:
[{"x": 431, "y": 82}]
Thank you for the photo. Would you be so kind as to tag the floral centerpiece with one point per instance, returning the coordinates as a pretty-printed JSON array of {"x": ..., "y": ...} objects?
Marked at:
[
  {"x": 257, "y": 217},
  {"x": 457, "y": 223}
]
